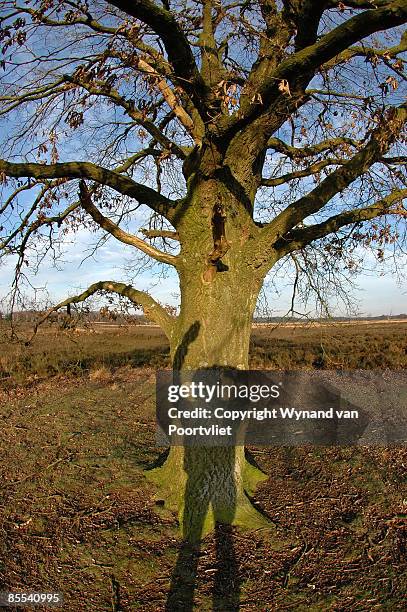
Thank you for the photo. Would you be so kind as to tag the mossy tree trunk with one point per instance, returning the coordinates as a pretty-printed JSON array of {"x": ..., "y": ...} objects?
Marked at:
[
  {"x": 210, "y": 484},
  {"x": 221, "y": 114}
]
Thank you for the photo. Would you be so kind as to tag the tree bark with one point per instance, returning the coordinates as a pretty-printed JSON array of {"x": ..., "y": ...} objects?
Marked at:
[{"x": 209, "y": 485}]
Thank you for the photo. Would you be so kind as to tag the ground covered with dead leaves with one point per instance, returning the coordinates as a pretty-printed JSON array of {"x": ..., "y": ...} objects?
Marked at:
[{"x": 78, "y": 516}]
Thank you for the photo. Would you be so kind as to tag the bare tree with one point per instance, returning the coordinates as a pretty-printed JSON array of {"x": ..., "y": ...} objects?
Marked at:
[{"x": 250, "y": 131}]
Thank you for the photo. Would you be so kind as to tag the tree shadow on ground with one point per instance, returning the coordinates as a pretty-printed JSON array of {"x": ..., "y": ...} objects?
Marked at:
[
  {"x": 202, "y": 495},
  {"x": 226, "y": 586},
  {"x": 226, "y": 581}
]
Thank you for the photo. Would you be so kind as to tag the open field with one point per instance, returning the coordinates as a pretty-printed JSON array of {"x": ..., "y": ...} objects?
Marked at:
[
  {"x": 379, "y": 344},
  {"x": 77, "y": 514}
]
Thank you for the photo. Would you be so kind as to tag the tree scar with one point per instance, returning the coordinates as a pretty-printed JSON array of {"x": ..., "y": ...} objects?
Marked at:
[{"x": 220, "y": 243}]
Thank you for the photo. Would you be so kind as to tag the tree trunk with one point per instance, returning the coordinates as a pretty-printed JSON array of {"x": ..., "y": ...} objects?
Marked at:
[{"x": 210, "y": 484}]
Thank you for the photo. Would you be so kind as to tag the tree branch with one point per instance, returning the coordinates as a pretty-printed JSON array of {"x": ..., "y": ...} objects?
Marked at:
[
  {"x": 160, "y": 66},
  {"x": 104, "y": 90},
  {"x": 118, "y": 233},
  {"x": 38, "y": 93},
  {"x": 71, "y": 170},
  {"x": 299, "y": 153},
  {"x": 379, "y": 143},
  {"x": 290, "y": 176},
  {"x": 368, "y": 52},
  {"x": 306, "y": 16},
  {"x": 152, "y": 309},
  {"x": 211, "y": 67},
  {"x": 358, "y": 4},
  {"x": 306, "y": 61},
  {"x": 176, "y": 44},
  {"x": 24, "y": 223},
  {"x": 140, "y": 155},
  {"x": 299, "y": 238},
  {"x": 171, "y": 100},
  {"x": 341, "y": 37},
  {"x": 397, "y": 160},
  {"x": 151, "y": 233}
]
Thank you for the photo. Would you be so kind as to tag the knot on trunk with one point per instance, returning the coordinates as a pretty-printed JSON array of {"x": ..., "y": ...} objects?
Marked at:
[{"x": 220, "y": 244}]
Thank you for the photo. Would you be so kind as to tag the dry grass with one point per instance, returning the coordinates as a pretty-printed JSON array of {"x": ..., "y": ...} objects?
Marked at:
[
  {"x": 343, "y": 346},
  {"x": 376, "y": 345},
  {"x": 78, "y": 516},
  {"x": 54, "y": 352},
  {"x": 101, "y": 374}
]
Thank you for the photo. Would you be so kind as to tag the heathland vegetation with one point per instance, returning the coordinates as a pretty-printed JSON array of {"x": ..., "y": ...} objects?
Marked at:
[
  {"x": 78, "y": 515},
  {"x": 341, "y": 344}
]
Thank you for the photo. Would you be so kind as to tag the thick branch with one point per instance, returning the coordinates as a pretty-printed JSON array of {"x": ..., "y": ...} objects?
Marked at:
[
  {"x": 339, "y": 39},
  {"x": 176, "y": 44},
  {"x": 397, "y": 160},
  {"x": 171, "y": 99},
  {"x": 359, "y": 4},
  {"x": 211, "y": 67},
  {"x": 306, "y": 61},
  {"x": 369, "y": 52},
  {"x": 381, "y": 140},
  {"x": 152, "y": 309},
  {"x": 103, "y": 176},
  {"x": 279, "y": 29},
  {"x": 118, "y": 233},
  {"x": 299, "y": 238},
  {"x": 306, "y": 16}
]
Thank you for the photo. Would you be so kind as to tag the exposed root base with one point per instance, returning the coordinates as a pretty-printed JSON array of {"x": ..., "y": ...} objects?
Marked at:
[{"x": 170, "y": 479}]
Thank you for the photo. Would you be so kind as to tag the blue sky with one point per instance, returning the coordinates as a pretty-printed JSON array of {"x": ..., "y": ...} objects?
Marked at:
[{"x": 377, "y": 294}]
